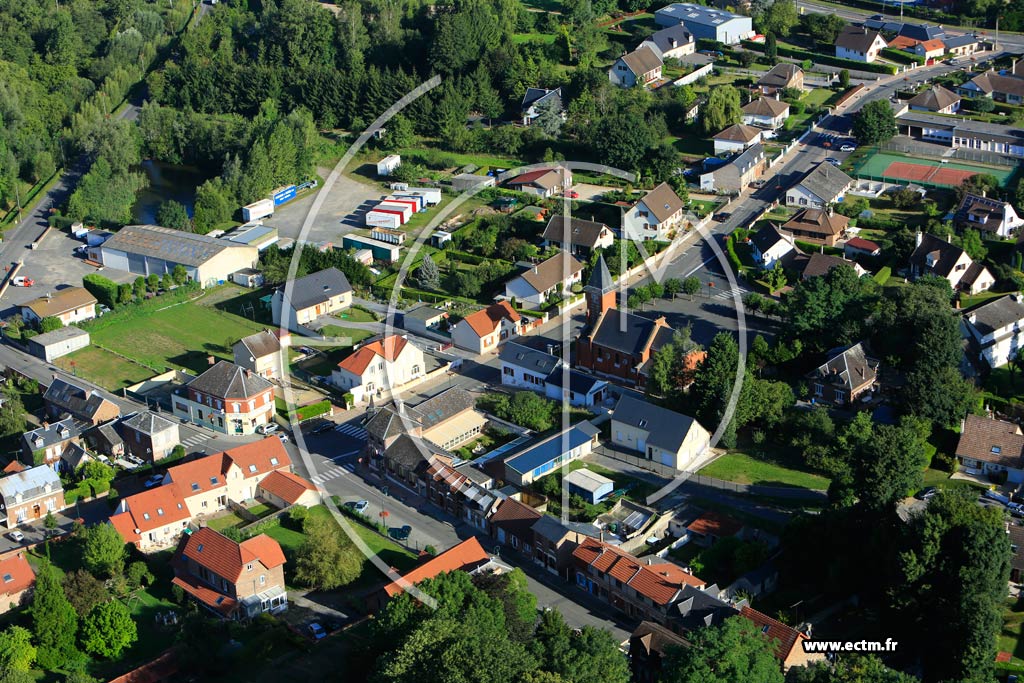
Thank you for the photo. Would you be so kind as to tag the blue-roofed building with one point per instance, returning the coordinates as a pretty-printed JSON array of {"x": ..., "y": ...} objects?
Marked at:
[{"x": 551, "y": 454}]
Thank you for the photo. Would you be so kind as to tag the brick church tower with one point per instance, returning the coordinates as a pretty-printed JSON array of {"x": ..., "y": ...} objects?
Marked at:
[{"x": 600, "y": 291}]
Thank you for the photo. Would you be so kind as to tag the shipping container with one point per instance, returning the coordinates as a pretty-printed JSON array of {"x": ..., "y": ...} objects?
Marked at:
[
  {"x": 414, "y": 204},
  {"x": 264, "y": 208},
  {"x": 420, "y": 200},
  {"x": 383, "y": 219},
  {"x": 431, "y": 194},
  {"x": 284, "y": 194},
  {"x": 388, "y": 164},
  {"x": 399, "y": 186},
  {"x": 403, "y": 209}
]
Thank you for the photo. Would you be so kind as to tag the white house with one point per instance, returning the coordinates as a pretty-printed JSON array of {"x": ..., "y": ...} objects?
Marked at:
[
  {"x": 859, "y": 44},
  {"x": 766, "y": 112},
  {"x": 769, "y": 246},
  {"x": 536, "y": 285},
  {"x": 935, "y": 256},
  {"x": 671, "y": 43},
  {"x": 661, "y": 436},
  {"x": 655, "y": 217},
  {"x": 823, "y": 185},
  {"x": 639, "y": 67},
  {"x": 485, "y": 329},
  {"x": 736, "y": 138},
  {"x": 995, "y": 330},
  {"x": 526, "y": 368},
  {"x": 988, "y": 215},
  {"x": 69, "y": 305},
  {"x": 382, "y": 365}
]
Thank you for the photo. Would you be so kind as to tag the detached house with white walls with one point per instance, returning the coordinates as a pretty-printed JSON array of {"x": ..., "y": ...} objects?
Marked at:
[
  {"x": 485, "y": 329},
  {"x": 766, "y": 112},
  {"x": 379, "y": 366},
  {"x": 639, "y": 67},
  {"x": 27, "y": 496},
  {"x": 555, "y": 276},
  {"x": 860, "y": 44},
  {"x": 995, "y": 330},
  {"x": 823, "y": 185},
  {"x": 768, "y": 246},
  {"x": 655, "y": 217},
  {"x": 661, "y": 436},
  {"x": 988, "y": 215},
  {"x": 935, "y": 256},
  {"x": 990, "y": 446},
  {"x": 672, "y": 42}
]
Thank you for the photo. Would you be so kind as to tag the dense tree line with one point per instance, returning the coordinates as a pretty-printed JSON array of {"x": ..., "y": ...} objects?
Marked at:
[{"x": 63, "y": 68}]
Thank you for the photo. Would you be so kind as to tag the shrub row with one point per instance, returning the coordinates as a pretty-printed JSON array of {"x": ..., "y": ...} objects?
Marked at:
[
  {"x": 312, "y": 410},
  {"x": 730, "y": 250},
  {"x": 902, "y": 56}
]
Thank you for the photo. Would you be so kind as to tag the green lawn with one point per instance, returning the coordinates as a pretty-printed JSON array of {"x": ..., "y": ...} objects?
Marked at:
[
  {"x": 540, "y": 38},
  {"x": 1009, "y": 639},
  {"x": 692, "y": 145},
  {"x": 744, "y": 469},
  {"x": 940, "y": 479},
  {"x": 107, "y": 369},
  {"x": 356, "y": 315},
  {"x": 181, "y": 336},
  {"x": 818, "y": 96},
  {"x": 225, "y": 522},
  {"x": 972, "y": 300}
]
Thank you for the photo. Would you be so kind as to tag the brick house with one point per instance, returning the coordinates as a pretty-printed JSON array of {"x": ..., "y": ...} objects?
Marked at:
[
  {"x": 233, "y": 580},
  {"x": 85, "y": 405},
  {"x": 845, "y": 377},
  {"x": 228, "y": 399}
]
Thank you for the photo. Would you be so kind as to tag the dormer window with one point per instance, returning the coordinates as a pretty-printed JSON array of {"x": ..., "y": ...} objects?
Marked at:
[
  {"x": 160, "y": 512},
  {"x": 145, "y": 516},
  {"x": 252, "y": 468},
  {"x": 997, "y": 450}
]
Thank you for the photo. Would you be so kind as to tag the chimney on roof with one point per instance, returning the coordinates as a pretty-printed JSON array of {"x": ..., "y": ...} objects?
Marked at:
[
  {"x": 917, "y": 238},
  {"x": 688, "y": 571},
  {"x": 210, "y": 360}
]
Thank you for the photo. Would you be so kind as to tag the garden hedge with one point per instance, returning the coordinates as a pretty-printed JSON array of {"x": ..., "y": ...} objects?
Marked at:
[{"x": 796, "y": 53}]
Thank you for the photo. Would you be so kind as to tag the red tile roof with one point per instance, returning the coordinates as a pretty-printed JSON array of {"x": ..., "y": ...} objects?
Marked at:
[
  {"x": 20, "y": 574},
  {"x": 286, "y": 486},
  {"x": 714, "y": 524},
  {"x": 13, "y": 467},
  {"x": 901, "y": 42},
  {"x": 210, "y": 472},
  {"x": 205, "y": 594},
  {"x": 787, "y": 636},
  {"x": 149, "y": 510},
  {"x": 466, "y": 555},
  {"x": 486, "y": 321},
  {"x": 862, "y": 244},
  {"x": 515, "y": 518},
  {"x": 661, "y": 582},
  {"x": 228, "y": 559},
  {"x": 388, "y": 348}
]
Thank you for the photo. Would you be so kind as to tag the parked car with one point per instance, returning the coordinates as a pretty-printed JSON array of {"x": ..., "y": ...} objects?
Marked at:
[
  {"x": 721, "y": 216},
  {"x": 154, "y": 480},
  {"x": 22, "y": 281},
  {"x": 316, "y": 631},
  {"x": 284, "y": 437},
  {"x": 16, "y": 536},
  {"x": 400, "y": 533},
  {"x": 358, "y": 505},
  {"x": 926, "y": 493},
  {"x": 325, "y": 427},
  {"x": 268, "y": 428},
  {"x": 306, "y": 350},
  {"x": 833, "y": 161},
  {"x": 848, "y": 148},
  {"x": 572, "y": 194}
]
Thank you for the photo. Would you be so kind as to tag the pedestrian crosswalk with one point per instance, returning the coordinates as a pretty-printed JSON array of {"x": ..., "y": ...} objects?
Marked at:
[
  {"x": 351, "y": 430},
  {"x": 326, "y": 472},
  {"x": 193, "y": 442},
  {"x": 729, "y": 293}
]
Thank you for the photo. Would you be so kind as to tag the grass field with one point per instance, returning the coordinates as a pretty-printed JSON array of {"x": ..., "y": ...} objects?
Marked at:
[
  {"x": 744, "y": 469},
  {"x": 875, "y": 165},
  {"x": 1010, "y": 636},
  {"x": 108, "y": 370}
]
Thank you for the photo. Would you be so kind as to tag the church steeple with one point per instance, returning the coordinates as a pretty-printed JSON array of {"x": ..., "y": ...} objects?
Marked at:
[{"x": 600, "y": 291}]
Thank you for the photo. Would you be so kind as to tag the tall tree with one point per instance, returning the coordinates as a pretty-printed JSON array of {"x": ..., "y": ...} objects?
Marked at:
[
  {"x": 735, "y": 650},
  {"x": 326, "y": 559},
  {"x": 722, "y": 109},
  {"x": 427, "y": 275},
  {"x": 174, "y": 215},
  {"x": 54, "y": 622},
  {"x": 16, "y": 650},
  {"x": 875, "y": 123},
  {"x": 108, "y": 629},
  {"x": 103, "y": 550}
]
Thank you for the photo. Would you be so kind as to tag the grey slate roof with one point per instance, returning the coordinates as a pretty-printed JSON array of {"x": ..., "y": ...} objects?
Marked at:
[
  {"x": 944, "y": 254},
  {"x": 624, "y": 332},
  {"x": 820, "y": 264},
  {"x": 529, "y": 359},
  {"x": 582, "y": 232},
  {"x": 849, "y": 368},
  {"x": 30, "y": 483},
  {"x": 72, "y": 398},
  {"x": 579, "y": 383},
  {"x": 59, "y": 335},
  {"x": 53, "y": 433},
  {"x": 147, "y": 422},
  {"x": 996, "y": 314},
  {"x": 856, "y": 38},
  {"x": 227, "y": 380},
  {"x": 668, "y": 429},
  {"x": 550, "y": 528},
  {"x": 387, "y": 422},
  {"x": 766, "y": 238},
  {"x": 664, "y": 38},
  {"x": 826, "y": 182},
  {"x": 424, "y": 313},
  {"x": 316, "y": 288},
  {"x": 959, "y": 41},
  {"x": 738, "y": 133},
  {"x": 663, "y": 202},
  {"x": 535, "y": 96},
  {"x": 186, "y": 248},
  {"x": 601, "y": 280}
]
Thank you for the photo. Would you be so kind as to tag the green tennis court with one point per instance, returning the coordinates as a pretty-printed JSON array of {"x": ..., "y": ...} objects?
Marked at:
[{"x": 892, "y": 167}]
